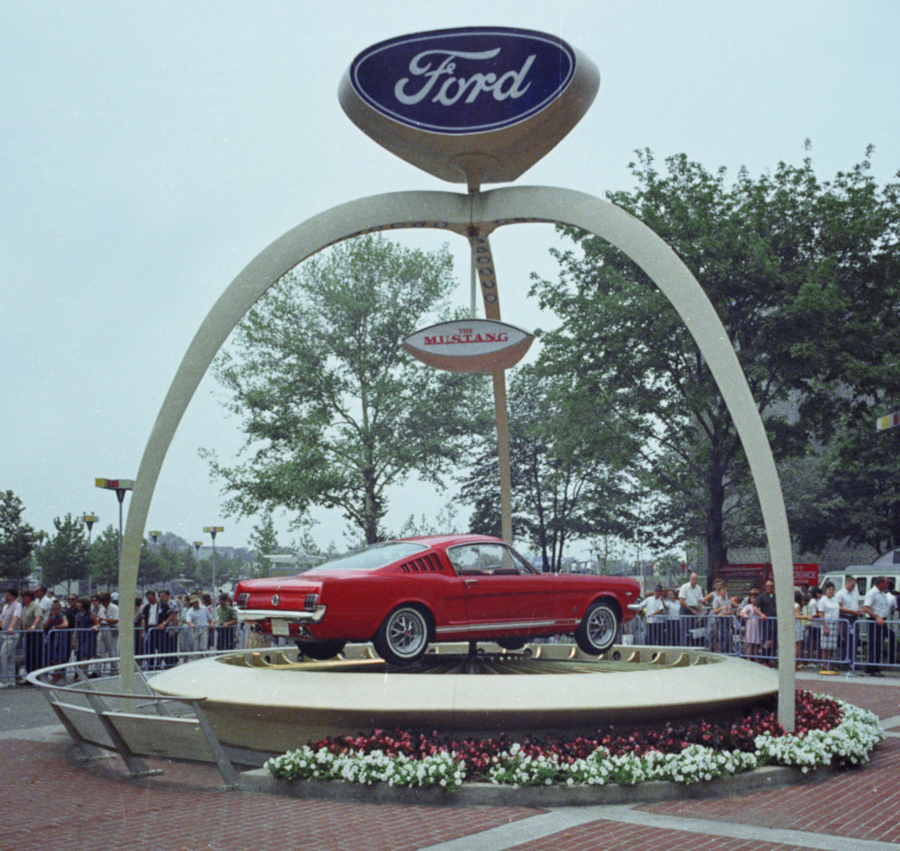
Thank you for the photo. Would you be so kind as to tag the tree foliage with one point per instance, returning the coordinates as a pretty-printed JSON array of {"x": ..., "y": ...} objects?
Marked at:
[
  {"x": 263, "y": 542},
  {"x": 17, "y": 539},
  {"x": 568, "y": 478},
  {"x": 103, "y": 557},
  {"x": 334, "y": 411},
  {"x": 158, "y": 564},
  {"x": 855, "y": 489},
  {"x": 64, "y": 556},
  {"x": 797, "y": 269}
]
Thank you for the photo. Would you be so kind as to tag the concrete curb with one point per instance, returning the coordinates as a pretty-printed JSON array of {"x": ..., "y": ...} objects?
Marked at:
[{"x": 486, "y": 794}]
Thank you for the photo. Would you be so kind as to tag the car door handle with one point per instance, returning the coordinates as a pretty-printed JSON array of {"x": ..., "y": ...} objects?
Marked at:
[{"x": 470, "y": 582}]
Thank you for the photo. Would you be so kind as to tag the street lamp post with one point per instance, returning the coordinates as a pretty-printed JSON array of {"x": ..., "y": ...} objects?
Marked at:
[
  {"x": 89, "y": 520},
  {"x": 120, "y": 486},
  {"x": 212, "y": 531}
]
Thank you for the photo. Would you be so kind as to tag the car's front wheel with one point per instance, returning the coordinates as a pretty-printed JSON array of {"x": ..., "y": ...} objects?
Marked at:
[
  {"x": 321, "y": 650},
  {"x": 403, "y": 636},
  {"x": 597, "y": 631}
]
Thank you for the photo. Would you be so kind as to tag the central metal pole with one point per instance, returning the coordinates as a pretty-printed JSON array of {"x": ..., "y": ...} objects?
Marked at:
[
  {"x": 483, "y": 265},
  {"x": 503, "y": 454}
]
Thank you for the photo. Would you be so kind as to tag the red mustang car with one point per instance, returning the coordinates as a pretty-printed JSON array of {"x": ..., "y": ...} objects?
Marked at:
[{"x": 402, "y": 595}]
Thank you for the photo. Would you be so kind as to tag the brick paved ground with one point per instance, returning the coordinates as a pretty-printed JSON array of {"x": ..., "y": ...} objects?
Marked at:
[
  {"x": 105, "y": 810},
  {"x": 615, "y": 836},
  {"x": 832, "y": 808},
  {"x": 185, "y": 809}
]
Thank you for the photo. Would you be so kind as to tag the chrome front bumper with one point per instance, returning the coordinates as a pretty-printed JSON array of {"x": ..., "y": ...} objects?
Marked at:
[{"x": 293, "y": 615}]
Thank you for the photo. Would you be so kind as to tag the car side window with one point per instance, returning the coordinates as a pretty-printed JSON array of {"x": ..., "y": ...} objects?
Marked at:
[{"x": 487, "y": 560}]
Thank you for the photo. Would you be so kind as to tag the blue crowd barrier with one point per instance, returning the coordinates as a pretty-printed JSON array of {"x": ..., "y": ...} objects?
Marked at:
[{"x": 22, "y": 652}]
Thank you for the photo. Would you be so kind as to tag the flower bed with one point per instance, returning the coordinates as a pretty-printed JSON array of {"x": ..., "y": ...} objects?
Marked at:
[{"x": 828, "y": 732}]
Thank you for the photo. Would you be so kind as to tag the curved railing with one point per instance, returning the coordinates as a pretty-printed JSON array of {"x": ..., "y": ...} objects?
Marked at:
[{"x": 103, "y": 719}]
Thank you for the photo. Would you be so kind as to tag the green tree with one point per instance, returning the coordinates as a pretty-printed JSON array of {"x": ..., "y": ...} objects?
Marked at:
[
  {"x": 797, "y": 269},
  {"x": 855, "y": 494},
  {"x": 64, "y": 557},
  {"x": 263, "y": 542},
  {"x": 228, "y": 567},
  {"x": 17, "y": 539},
  {"x": 333, "y": 409},
  {"x": 566, "y": 480},
  {"x": 104, "y": 557},
  {"x": 187, "y": 563},
  {"x": 153, "y": 567},
  {"x": 608, "y": 552}
]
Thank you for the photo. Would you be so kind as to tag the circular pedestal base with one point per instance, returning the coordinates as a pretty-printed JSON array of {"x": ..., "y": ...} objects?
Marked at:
[{"x": 267, "y": 701}]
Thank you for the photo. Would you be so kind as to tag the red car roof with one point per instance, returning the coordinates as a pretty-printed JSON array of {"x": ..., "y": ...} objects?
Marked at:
[{"x": 448, "y": 540}]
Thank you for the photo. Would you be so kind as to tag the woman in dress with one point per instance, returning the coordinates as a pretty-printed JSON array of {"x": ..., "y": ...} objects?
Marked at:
[
  {"x": 752, "y": 618},
  {"x": 829, "y": 611}
]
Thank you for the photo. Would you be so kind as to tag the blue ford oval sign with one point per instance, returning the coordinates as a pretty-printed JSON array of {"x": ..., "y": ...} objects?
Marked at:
[{"x": 463, "y": 81}]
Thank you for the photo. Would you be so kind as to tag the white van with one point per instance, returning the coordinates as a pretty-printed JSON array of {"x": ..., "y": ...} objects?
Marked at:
[{"x": 863, "y": 574}]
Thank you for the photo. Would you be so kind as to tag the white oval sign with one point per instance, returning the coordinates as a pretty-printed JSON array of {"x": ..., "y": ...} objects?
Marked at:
[{"x": 469, "y": 345}]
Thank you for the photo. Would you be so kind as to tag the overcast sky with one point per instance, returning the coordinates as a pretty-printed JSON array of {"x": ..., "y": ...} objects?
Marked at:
[{"x": 149, "y": 150}]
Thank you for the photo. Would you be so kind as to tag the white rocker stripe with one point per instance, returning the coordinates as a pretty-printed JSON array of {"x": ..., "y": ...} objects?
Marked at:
[{"x": 492, "y": 627}]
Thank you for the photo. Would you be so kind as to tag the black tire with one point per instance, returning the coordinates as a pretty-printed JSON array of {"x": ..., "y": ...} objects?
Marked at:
[
  {"x": 403, "y": 637},
  {"x": 598, "y": 628},
  {"x": 321, "y": 650},
  {"x": 511, "y": 643}
]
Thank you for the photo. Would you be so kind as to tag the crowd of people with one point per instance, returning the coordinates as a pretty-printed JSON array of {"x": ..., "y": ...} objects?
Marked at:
[
  {"x": 825, "y": 622},
  {"x": 40, "y": 630}
]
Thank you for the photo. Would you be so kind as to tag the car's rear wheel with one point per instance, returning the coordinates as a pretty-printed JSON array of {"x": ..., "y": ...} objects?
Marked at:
[
  {"x": 597, "y": 631},
  {"x": 403, "y": 636},
  {"x": 321, "y": 650}
]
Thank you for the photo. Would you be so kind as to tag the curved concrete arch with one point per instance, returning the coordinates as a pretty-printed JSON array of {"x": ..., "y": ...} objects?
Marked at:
[{"x": 456, "y": 212}]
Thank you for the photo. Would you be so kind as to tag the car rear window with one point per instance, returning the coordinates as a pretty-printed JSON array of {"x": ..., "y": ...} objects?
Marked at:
[{"x": 371, "y": 558}]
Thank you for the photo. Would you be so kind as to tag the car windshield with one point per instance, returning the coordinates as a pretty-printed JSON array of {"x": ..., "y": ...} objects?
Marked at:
[{"x": 371, "y": 558}]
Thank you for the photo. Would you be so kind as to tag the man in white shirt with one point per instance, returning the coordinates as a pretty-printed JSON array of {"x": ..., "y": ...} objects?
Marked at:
[
  {"x": 44, "y": 599},
  {"x": 848, "y": 600},
  {"x": 656, "y": 614},
  {"x": 689, "y": 596},
  {"x": 199, "y": 622},
  {"x": 878, "y": 608},
  {"x": 10, "y": 623},
  {"x": 108, "y": 616}
]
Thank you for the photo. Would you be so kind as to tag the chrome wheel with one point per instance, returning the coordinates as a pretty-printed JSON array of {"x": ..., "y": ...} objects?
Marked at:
[
  {"x": 403, "y": 637},
  {"x": 597, "y": 631}
]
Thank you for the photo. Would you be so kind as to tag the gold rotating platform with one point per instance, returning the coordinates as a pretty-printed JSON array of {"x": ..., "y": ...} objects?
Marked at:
[{"x": 267, "y": 700}]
